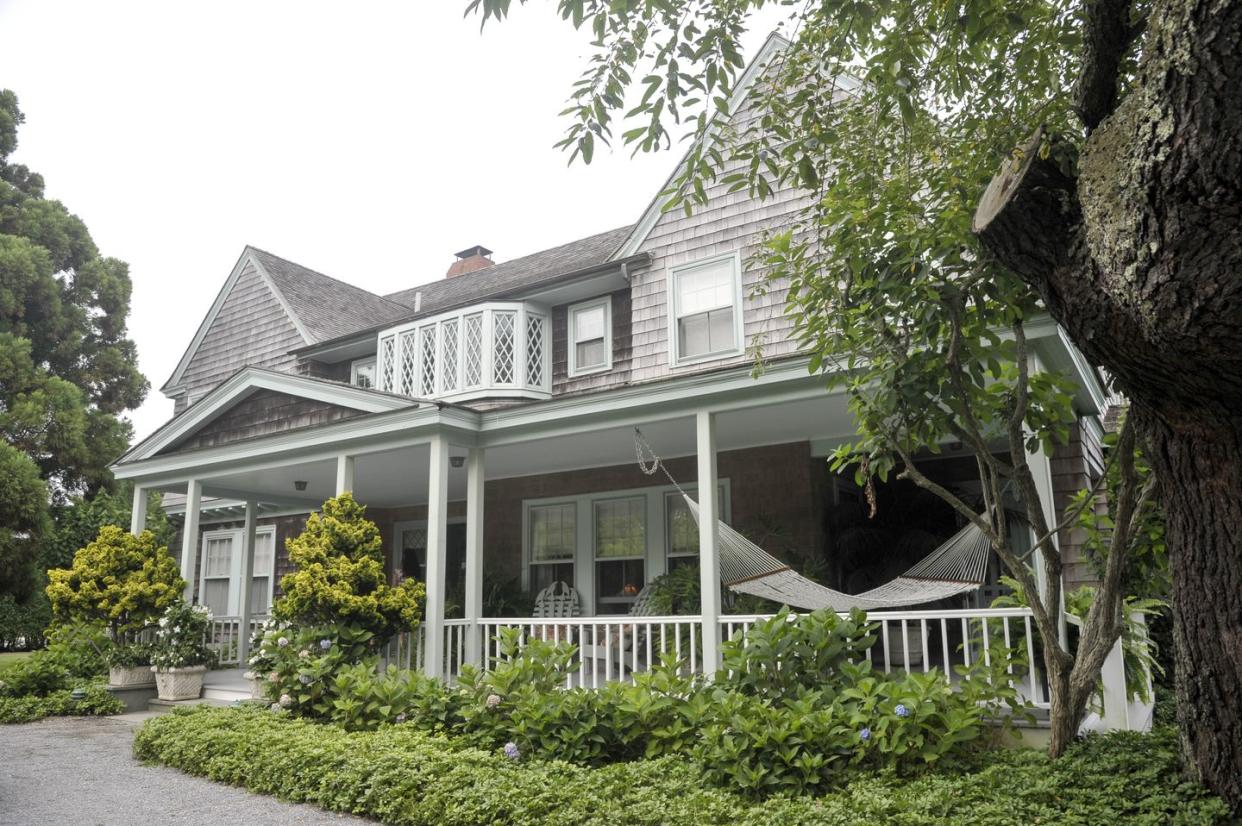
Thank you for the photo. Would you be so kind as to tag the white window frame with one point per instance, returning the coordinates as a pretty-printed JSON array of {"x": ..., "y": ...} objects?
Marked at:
[
  {"x": 674, "y": 345},
  {"x": 373, "y": 361},
  {"x": 573, "y": 370},
  {"x": 596, "y": 559},
  {"x": 237, "y": 565},
  {"x": 656, "y": 558}
]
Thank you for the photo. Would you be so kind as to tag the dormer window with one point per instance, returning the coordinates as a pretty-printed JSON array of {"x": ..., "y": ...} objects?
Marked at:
[
  {"x": 706, "y": 309},
  {"x": 590, "y": 336},
  {"x": 362, "y": 373}
]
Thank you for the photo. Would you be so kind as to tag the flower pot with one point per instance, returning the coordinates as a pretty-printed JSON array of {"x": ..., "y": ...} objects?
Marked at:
[
  {"x": 914, "y": 642},
  {"x": 179, "y": 683},
  {"x": 139, "y": 675}
]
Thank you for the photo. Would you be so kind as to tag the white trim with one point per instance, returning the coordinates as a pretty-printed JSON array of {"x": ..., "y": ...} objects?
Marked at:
[
  {"x": 675, "y": 359},
  {"x": 236, "y": 564},
  {"x": 572, "y": 369},
  {"x": 655, "y": 558},
  {"x": 247, "y": 380},
  {"x": 656, "y": 209},
  {"x": 174, "y": 387},
  {"x": 356, "y": 364}
]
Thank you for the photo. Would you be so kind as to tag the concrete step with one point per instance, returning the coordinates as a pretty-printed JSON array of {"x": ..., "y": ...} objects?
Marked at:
[
  {"x": 224, "y": 694},
  {"x": 162, "y": 706}
]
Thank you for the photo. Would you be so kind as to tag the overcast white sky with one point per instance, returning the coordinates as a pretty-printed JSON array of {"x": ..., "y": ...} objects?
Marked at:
[{"x": 369, "y": 141}]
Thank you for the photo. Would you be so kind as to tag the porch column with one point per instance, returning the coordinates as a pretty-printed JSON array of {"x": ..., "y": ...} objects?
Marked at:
[
  {"x": 138, "y": 515},
  {"x": 344, "y": 474},
  {"x": 474, "y": 554},
  {"x": 437, "y": 526},
  {"x": 709, "y": 539},
  {"x": 189, "y": 535},
  {"x": 243, "y": 634}
]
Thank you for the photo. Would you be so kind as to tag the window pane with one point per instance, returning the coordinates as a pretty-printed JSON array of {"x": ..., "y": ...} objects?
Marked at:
[
  {"x": 720, "y": 332},
  {"x": 617, "y": 583},
  {"x": 216, "y": 596},
  {"x": 258, "y": 595},
  {"x": 589, "y": 324},
  {"x": 692, "y": 334},
  {"x": 364, "y": 374},
  {"x": 218, "y": 557},
  {"x": 264, "y": 547},
  {"x": 683, "y": 531},
  {"x": 541, "y": 576},
  {"x": 589, "y": 354},
  {"x": 705, "y": 288},
  {"x": 620, "y": 527},
  {"x": 553, "y": 532}
]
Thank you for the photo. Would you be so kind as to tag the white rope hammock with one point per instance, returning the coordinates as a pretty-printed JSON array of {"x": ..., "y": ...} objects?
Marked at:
[{"x": 956, "y": 567}]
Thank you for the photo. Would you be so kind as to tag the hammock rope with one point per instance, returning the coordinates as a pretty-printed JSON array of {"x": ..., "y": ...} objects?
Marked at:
[{"x": 956, "y": 567}]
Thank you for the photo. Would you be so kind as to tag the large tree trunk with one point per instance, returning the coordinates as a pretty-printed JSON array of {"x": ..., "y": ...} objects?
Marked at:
[
  {"x": 1140, "y": 259},
  {"x": 1197, "y": 455}
]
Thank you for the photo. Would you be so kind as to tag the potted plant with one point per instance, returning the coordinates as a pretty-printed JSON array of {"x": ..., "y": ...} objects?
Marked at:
[
  {"x": 180, "y": 656},
  {"x": 262, "y": 662},
  {"x": 129, "y": 665}
]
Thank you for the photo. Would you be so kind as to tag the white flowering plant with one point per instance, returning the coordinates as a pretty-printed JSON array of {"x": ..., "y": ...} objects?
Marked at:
[{"x": 181, "y": 638}]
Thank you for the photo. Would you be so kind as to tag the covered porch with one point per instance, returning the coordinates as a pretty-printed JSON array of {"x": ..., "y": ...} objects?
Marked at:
[{"x": 549, "y": 492}]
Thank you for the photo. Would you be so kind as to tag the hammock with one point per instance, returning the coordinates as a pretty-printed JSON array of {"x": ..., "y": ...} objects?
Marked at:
[{"x": 956, "y": 567}]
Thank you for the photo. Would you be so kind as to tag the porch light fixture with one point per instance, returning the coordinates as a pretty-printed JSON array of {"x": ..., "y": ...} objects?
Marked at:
[
  {"x": 300, "y": 484},
  {"x": 457, "y": 461}
]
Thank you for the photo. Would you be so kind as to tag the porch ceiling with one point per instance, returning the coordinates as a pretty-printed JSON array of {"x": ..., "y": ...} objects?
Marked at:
[{"x": 398, "y": 477}]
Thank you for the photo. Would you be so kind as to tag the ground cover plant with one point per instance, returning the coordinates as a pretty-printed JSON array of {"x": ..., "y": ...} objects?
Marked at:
[
  {"x": 401, "y": 775},
  {"x": 42, "y": 683}
]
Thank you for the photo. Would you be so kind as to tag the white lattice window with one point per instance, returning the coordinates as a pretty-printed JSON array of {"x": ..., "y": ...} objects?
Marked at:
[
  {"x": 503, "y": 348},
  {"x": 448, "y": 344},
  {"x": 409, "y": 363},
  {"x": 534, "y": 349},
  {"x": 386, "y": 363},
  {"x": 427, "y": 360},
  {"x": 474, "y": 350}
]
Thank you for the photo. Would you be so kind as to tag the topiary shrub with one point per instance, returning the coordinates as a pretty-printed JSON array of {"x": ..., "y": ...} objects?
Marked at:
[
  {"x": 121, "y": 581},
  {"x": 340, "y": 575}
]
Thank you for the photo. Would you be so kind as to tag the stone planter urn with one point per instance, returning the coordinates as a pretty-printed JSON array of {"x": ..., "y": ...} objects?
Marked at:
[
  {"x": 179, "y": 683},
  {"x": 134, "y": 677},
  {"x": 256, "y": 685},
  {"x": 914, "y": 642}
]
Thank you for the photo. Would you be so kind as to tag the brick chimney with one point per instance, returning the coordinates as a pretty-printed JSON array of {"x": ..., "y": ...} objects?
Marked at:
[{"x": 468, "y": 260}]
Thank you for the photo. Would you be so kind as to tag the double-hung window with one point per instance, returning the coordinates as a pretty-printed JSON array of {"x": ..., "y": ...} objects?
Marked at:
[
  {"x": 706, "y": 299},
  {"x": 590, "y": 336},
  {"x": 681, "y": 529},
  {"x": 553, "y": 542},
  {"x": 223, "y": 570},
  {"x": 620, "y": 547}
]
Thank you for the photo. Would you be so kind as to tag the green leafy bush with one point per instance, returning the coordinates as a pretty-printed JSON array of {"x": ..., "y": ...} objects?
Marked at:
[
  {"x": 403, "y": 776},
  {"x": 180, "y": 639},
  {"x": 121, "y": 581},
  {"x": 339, "y": 576},
  {"x": 35, "y": 676},
  {"x": 80, "y": 647},
  {"x": 789, "y": 653},
  {"x": 60, "y": 702},
  {"x": 22, "y": 624},
  {"x": 304, "y": 662}
]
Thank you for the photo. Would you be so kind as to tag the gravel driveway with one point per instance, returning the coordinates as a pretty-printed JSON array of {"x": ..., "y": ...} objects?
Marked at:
[{"x": 79, "y": 770}]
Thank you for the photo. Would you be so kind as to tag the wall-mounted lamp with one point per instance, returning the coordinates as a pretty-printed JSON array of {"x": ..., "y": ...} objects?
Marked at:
[
  {"x": 300, "y": 484},
  {"x": 457, "y": 461}
]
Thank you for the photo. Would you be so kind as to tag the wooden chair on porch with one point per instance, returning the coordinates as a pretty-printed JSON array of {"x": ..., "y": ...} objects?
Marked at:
[{"x": 558, "y": 601}]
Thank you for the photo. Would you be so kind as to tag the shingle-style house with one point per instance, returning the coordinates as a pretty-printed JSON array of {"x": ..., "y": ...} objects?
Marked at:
[{"x": 486, "y": 419}]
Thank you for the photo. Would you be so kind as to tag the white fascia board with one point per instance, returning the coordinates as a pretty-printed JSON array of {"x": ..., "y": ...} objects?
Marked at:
[
  {"x": 172, "y": 387},
  {"x": 630, "y": 246},
  {"x": 307, "y": 338},
  {"x": 248, "y": 380},
  {"x": 369, "y": 434}
]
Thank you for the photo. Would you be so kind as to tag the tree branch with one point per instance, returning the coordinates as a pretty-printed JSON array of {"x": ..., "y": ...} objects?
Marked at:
[{"x": 1106, "y": 39}]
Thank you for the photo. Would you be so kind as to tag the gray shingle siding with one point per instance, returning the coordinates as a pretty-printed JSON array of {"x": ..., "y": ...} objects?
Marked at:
[{"x": 251, "y": 329}]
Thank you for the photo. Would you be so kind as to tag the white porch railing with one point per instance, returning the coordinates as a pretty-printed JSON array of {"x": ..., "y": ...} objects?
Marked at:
[
  {"x": 224, "y": 637},
  {"x": 614, "y": 648}
]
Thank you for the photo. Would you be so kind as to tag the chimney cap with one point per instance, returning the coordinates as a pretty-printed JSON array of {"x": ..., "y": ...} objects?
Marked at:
[{"x": 477, "y": 249}]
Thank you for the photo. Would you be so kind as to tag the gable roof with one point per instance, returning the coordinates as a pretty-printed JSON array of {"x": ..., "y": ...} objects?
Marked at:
[
  {"x": 327, "y": 307},
  {"x": 527, "y": 271},
  {"x": 246, "y": 381}
]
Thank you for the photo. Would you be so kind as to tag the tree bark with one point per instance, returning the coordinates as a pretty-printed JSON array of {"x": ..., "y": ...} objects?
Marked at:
[{"x": 1147, "y": 279}]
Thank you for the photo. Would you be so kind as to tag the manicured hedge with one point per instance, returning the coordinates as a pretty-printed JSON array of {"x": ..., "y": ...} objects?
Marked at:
[
  {"x": 403, "y": 776},
  {"x": 26, "y": 708}
]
